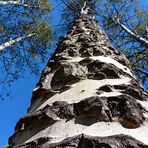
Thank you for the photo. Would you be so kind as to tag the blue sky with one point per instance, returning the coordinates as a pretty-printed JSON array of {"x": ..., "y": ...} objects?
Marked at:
[{"x": 12, "y": 109}]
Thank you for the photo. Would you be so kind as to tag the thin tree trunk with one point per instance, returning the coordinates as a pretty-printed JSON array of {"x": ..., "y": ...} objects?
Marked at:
[
  {"x": 133, "y": 35},
  {"x": 13, "y": 41},
  {"x": 19, "y": 3},
  {"x": 87, "y": 96},
  {"x": 9, "y": 2}
]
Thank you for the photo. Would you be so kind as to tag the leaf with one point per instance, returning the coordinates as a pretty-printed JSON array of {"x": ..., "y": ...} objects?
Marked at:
[{"x": 44, "y": 4}]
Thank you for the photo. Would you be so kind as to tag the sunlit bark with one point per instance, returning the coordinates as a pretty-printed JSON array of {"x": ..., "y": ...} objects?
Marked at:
[
  {"x": 13, "y": 41},
  {"x": 132, "y": 34}
]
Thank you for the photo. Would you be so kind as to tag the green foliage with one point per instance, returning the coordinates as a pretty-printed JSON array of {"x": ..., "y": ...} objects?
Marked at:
[
  {"x": 45, "y": 30},
  {"x": 5, "y": 146},
  {"x": 139, "y": 28},
  {"x": 29, "y": 21},
  {"x": 44, "y": 4}
]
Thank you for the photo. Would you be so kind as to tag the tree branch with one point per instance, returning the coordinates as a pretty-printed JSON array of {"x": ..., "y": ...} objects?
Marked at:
[
  {"x": 10, "y": 3},
  {"x": 140, "y": 70},
  {"x": 70, "y": 6},
  {"x": 132, "y": 34},
  {"x": 3, "y": 3},
  {"x": 13, "y": 41}
]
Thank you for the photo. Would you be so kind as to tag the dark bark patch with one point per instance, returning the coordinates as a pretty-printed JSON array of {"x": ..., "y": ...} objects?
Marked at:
[
  {"x": 67, "y": 74},
  {"x": 85, "y": 61},
  {"x": 91, "y": 108},
  {"x": 132, "y": 90},
  {"x": 110, "y": 71},
  {"x": 105, "y": 88}
]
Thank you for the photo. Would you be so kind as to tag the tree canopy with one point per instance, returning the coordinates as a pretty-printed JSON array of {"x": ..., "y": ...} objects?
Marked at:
[{"x": 26, "y": 36}]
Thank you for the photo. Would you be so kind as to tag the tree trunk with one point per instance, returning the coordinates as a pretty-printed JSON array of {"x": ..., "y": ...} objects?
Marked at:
[
  {"x": 16, "y": 3},
  {"x": 139, "y": 38},
  {"x": 87, "y": 97},
  {"x": 13, "y": 41}
]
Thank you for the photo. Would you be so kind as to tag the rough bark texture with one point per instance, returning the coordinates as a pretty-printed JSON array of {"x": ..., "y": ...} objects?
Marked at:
[{"x": 87, "y": 97}]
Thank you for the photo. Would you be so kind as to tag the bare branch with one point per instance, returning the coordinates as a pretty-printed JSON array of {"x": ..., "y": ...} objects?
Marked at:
[
  {"x": 84, "y": 9},
  {"x": 132, "y": 34},
  {"x": 11, "y": 42},
  {"x": 142, "y": 71},
  {"x": 10, "y": 3},
  {"x": 3, "y": 3},
  {"x": 70, "y": 6}
]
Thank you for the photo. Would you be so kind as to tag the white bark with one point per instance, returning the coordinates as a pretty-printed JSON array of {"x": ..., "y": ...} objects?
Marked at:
[
  {"x": 132, "y": 34},
  {"x": 84, "y": 9},
  {"x": 75, "y": 92},
  {"x": 63, "y": 129},
  {"x": 9, "y": 2},
  {"x": 13, "y": 41},
  {"x": 3, "y": 3}
]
